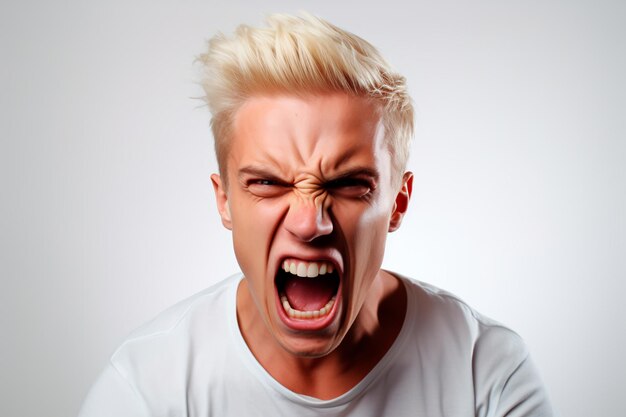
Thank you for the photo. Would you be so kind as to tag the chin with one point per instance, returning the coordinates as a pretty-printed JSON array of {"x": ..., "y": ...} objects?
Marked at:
[{"x": 307, "y": 348}]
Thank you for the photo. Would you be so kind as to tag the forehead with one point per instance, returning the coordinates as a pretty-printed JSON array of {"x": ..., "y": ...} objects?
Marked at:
[{"x": 317, "y": 132}]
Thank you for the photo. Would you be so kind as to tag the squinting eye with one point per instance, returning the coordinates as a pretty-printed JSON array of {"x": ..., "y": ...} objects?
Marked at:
[
  {"x": 349, "y": 187},
  {"x": 265, "y": 187},
  {"x": 264, "y": 182}
]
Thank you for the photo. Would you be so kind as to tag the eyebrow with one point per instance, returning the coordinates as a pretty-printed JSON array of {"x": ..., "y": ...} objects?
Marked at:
[
  {"x": 358, "y": 172},
  {"x": 352, "y": 172},
  {"x": 258, "y": 172}
]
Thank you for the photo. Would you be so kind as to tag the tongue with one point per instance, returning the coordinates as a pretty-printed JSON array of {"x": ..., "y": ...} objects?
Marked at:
[{"x": 309, "y": 294}]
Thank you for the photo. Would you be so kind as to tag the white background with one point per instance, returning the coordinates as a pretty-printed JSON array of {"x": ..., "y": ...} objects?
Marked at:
[{"x": 107, "y": 214}]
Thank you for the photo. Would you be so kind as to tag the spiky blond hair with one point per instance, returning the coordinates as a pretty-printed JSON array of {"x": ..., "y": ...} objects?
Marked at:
[{"x": 300, "y": 55}]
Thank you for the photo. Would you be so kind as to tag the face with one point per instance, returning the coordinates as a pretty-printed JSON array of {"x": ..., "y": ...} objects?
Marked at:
[{"x": 310, "y": 199}]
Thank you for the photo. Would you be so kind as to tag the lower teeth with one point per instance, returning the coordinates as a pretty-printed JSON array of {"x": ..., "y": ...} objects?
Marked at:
[{"x": 298, "y": 314}]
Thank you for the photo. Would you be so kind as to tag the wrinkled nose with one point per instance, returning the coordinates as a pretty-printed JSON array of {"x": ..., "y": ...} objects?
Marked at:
[{"x": 308, "y": 221}]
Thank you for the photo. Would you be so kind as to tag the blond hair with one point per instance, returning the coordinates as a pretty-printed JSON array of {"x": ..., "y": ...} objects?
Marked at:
[{"x": 299, "y": 55}]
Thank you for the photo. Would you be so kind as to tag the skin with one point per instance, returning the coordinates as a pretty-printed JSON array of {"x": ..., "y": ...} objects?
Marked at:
[{"x": 311, "y": 178}]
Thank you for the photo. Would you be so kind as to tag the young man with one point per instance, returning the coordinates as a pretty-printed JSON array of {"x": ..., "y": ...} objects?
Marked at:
[{"x": 312, "y": 132}]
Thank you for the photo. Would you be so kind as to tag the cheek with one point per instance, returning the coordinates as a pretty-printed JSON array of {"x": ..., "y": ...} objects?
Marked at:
[
  {"x": 246, "y": 236},
  {"x": 370, "y": 247},
  {"x": 364, "y": 222},
  {"x": 365, "y": 232},
  {"x": 252, "y": 218},
  {"x": 254, "y": 225}
]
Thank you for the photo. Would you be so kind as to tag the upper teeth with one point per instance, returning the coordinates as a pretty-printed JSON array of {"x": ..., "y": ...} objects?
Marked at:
[{"x": 307, "y": 269}]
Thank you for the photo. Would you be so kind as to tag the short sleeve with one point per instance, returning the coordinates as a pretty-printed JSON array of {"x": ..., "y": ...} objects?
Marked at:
[
  {"x": 523, "y": 394},
  {"x": 506, "y": 381},
  {"x": 112, "y": 396}
]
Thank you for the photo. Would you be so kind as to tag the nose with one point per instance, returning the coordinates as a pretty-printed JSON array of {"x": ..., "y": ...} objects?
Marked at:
[{"x": 308, "y": 220}]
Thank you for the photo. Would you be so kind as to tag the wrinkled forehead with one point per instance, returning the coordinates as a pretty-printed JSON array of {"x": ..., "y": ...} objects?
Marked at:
[
  {"x": 319, "y": 132},
  {"x": 322, "y": 111}
]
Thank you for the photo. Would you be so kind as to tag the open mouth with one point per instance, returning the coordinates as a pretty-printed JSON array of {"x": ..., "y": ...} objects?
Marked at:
[{"x": 307, "y": 290}]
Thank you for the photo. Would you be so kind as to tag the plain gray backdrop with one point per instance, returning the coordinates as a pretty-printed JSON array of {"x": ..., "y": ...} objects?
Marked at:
[{"x": 107, "y": 214}]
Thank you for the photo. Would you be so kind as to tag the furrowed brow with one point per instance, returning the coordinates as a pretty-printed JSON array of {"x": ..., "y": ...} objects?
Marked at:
[
  {"x": 265, "y": 173},
  {"x": 358, "y": 172},
  {"x": 258, "y": 172}
]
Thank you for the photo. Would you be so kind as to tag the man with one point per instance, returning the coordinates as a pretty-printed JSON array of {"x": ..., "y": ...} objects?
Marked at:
[{"x": 312, "y": 131}]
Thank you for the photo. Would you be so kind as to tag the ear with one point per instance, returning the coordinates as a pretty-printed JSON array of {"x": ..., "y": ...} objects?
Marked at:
[
  {"x": 402, "y": 202},
  {"x": 221, "y": 197}
]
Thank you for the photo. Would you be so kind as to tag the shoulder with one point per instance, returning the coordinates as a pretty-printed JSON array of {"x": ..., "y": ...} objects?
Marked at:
[
  {"x": 444, "y": 324},
  {"x": 431, "y": 299},
  {"x": 475, "y": 348},
  {"x": 214, "y": 297},
  {"x": 169, "y": 343},
  {"x": 153, "y": 368}
]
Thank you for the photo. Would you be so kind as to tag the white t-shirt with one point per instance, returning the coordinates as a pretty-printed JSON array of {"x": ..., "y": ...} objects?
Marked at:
[{"x": 447, "y": 361}]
